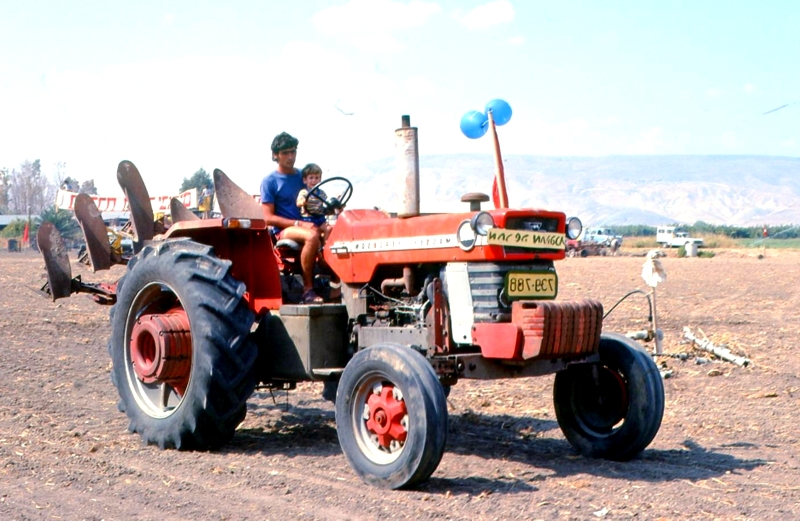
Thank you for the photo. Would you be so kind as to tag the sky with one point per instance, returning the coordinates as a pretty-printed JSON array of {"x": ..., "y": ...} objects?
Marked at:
[{"x": 175, "y": 86}]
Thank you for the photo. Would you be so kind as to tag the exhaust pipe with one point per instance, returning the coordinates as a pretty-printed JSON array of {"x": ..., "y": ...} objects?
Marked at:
[{"x": 407, "y": 164}]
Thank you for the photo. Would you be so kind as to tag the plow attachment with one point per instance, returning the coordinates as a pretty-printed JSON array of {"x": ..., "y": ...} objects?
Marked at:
[
  {"x": 142, "y": 217},
  {"x": 233, "y": 201},
  {"x": 56, "y": 261},
  {"x": 60, "y": 283},
  {"x": 94, "y": 231},
  {"x": 180, "y": 213}
]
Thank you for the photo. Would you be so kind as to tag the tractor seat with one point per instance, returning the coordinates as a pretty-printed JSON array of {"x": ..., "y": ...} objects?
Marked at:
[
  {"x": 287, "y": 254},
  {"x": 287, "y": 243}
]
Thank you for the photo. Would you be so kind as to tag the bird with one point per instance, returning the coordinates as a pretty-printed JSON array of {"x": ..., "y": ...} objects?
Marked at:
[{"x": 652, "y": 271}]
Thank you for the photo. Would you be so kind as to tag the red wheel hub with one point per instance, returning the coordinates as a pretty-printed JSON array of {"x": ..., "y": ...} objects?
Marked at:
[
  {"x": 386, "y": 414},
  {"x": 161, "y": 349}
]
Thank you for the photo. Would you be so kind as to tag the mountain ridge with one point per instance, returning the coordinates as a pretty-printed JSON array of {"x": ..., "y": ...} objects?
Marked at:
[{"x": 605, "y": 190}]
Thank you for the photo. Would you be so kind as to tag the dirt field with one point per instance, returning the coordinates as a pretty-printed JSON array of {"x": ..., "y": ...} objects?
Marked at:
[{"x": 728, "y": 447}]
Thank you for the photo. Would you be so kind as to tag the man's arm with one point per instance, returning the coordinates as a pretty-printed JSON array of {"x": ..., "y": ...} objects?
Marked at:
[{"x": 280, "y": 222}]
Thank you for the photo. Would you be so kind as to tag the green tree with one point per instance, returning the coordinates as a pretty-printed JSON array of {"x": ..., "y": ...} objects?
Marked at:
[
  {"x": 14, "y": 229},
  {"x": 63, "y": 220},
  {"x": 199, "y": 180}
]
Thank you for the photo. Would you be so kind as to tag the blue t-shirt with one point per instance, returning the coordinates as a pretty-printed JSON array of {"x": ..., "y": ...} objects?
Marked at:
[{"x": 281, "y": 190}]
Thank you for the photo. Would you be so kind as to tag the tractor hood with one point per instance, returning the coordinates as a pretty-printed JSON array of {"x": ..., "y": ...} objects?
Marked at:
[{"x": 362, "y": 240}]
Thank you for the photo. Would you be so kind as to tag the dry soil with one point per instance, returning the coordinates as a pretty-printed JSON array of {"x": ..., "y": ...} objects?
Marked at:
[{"x": 727, "y": 449}]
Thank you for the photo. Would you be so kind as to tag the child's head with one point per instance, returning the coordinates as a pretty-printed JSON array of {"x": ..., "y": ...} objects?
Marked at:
[{"x": 312, "y": 175}]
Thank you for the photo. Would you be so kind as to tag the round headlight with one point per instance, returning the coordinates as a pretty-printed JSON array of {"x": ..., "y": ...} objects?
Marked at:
[
  {"x": 574, "y": 228},
  {"x": 482, "y": 222},
  {"x": 466, "y": 236}
]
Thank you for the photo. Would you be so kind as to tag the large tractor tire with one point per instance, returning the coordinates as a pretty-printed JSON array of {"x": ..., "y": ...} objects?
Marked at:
[
  {"x": 391, "y": 416},
  {"x": 183, "y": 362},
  {"x": 611, "y": 409}
]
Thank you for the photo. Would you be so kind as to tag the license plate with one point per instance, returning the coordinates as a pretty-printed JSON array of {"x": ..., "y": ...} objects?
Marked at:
[
  {"x": 526, "y": 239},
  {"x": 527, "y": 284}
]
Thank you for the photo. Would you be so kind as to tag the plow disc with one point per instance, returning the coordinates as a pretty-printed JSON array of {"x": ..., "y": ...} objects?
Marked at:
[
  {"x": 132, "y": 184},
  {"x": 233, "y": 201},
  {"x": 179, "y": 212},
  {"x": 59, "y": 274},
  {"x": 60, "y": 283},
  {"x": 94, "y": 231}
]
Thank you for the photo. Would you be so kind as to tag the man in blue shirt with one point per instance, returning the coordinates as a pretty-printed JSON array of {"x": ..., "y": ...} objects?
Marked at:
[{"x": 279, "y": 203}]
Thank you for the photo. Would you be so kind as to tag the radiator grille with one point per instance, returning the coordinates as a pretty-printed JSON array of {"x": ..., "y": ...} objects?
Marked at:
[{"x": 486, "y": 284}]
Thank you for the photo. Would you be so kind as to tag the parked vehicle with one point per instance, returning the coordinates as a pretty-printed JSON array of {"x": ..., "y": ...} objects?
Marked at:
[
  {"x": 672, "y": 237},
  {"x": 603, "y": 236}
]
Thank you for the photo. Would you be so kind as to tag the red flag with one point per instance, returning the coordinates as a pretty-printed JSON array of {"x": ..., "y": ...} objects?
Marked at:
[
  {"x": 25, "y": 234},
  {"x": 495, "y": 193}
]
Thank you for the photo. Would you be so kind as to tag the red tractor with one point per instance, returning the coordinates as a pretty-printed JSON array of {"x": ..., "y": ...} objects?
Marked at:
[{"x": 204, "y": 315}]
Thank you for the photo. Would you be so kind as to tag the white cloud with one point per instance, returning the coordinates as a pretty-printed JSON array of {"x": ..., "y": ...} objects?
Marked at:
[
  {"x": 488, "y": 15},
  {"x": 749, "y": 87},
  {"x": 368, "y": 24},
  {"x": 517, "y": 40},
  {"x": 713, "y": 93}
]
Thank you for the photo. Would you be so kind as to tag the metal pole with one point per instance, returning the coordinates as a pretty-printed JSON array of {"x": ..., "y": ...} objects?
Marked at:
[
  {"x": 407, "y": 164},
  {"x": 499, "y": 172},
  {"x": 655, "y": 324}
]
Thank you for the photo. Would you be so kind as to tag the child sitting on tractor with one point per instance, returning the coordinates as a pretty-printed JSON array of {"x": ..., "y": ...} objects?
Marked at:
[{"x": 312, "y": 208}]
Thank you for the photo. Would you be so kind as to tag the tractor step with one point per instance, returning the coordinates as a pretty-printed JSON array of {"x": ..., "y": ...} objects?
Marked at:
[{"x": 328, "y": 371}]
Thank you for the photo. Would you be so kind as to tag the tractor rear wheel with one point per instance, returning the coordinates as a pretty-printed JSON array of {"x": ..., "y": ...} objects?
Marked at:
[
  {"x": 183, "y": 363},
  {"x": 611, "y": 409},
  {"x": 391, "y": 416}
]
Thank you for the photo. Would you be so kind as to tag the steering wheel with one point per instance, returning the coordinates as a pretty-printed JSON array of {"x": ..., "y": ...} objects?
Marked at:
[{"x": 332, "y": 204}]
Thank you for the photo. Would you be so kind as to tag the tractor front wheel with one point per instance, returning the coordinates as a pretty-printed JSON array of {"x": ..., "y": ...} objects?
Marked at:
[
  {"x": 391, "y": 416},
  {"x": 611, "y": 409},
  {"x": 183, "y": 363}
]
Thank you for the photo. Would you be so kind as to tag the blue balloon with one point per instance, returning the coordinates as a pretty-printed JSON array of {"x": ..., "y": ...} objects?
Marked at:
[
  {"x": 474, "y": 124},
  {"x": 501, "y": 111}
]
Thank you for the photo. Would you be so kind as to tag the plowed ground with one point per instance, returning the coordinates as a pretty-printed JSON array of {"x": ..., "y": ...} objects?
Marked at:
[{"x": 728, "y": 447}]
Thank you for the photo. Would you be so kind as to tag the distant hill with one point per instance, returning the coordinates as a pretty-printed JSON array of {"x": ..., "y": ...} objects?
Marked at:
[{"x": 612, "y": 190}]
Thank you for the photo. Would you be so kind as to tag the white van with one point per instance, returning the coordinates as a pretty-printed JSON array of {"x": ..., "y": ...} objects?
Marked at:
[{"x": 670, "y": 237}]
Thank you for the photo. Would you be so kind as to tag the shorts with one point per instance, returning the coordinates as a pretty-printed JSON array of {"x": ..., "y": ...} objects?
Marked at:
[
  {"x": 318, "y": 220},
  {"x": 276, "y": 233}
]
